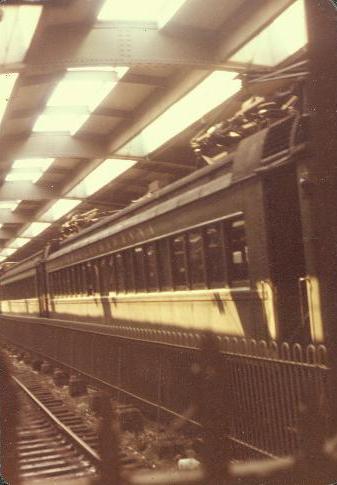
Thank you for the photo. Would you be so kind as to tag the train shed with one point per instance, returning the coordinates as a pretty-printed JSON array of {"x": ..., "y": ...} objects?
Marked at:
[{"x": 168, "y": 228}]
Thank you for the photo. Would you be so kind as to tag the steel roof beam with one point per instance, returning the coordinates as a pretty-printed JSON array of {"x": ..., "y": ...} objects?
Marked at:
[
  {"x": 100, "y": 111},
  {"x": 51, "y": 145},
  {"x": 9, "y": 217},
  {"x": 6, "y": 234},
  {"x": 105, "y": 44},
  {"x": 113, "y": 44},
  {"x": 26, "y": 190}
]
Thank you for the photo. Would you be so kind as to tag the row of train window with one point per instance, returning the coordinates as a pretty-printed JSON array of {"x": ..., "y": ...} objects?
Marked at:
[
  {"x": 21, "y": 289},
  {"x": 212, "y": 256}
]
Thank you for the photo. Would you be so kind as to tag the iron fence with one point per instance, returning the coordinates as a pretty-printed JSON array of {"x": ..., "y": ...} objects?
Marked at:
[{"x": 264, "y": 384}]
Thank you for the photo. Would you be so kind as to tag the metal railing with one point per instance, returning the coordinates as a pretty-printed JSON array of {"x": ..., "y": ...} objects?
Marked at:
[{"x": 264, "y": 384}]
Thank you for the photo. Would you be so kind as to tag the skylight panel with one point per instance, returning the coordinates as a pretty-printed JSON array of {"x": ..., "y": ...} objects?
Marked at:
[
  {"x": 35, "y": 228},
  {"x": 17, "y": 28},
  {"x": 160, "y": 11},
  {"x": 106, "y": 172},
  {"x": 7, "y": 81},
  {"x": 119, "y": 70},
  {"x": 79, "y": 88},
  {"x": 19, "y": 242},
  {"x": 66, "y": 122},
  {"x": 23, "y": 176},
  {"x": 86, "y": 89},
  {"x": 30, "y": 169},
  {"x": 33, "y": 163},
  {"x": 59, "y": 209},
  {"x": 207, "y": 95},
  {"x": 7, "y": 252},
  {"x": 170, "y": 8},
  {"x": 79, "y": 93},
  {"x": 282, "y": 38},
  {"x": 9, "y": 204},
  {"x": 130, "y": 10}
]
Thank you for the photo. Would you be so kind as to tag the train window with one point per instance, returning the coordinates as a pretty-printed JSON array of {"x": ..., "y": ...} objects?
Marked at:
[
  {"x": 102, "y": 268},
  {"x": 55, "y": 287},
  {"x": 82, "y": 275},
  {"x": 196, "y": 260},
  {"x": 54, "y": 284},
  {"x": 214, "y": 256},
  {"x": 179, "y": 266},
  {"x": 238, "y": 273},
  {"x": 111, "y": 274},
  {"x": 95, "y": 268},
  {"x": 50, "y": 277},
  {"x": 129, "y": 272},
  {"x": 66, "y": 281},
  {"x": 151, "y": 267},
  {"x": 138, "y": 254},
  {"x": 59, "y": 283},
  {"x": 120, "y": 272},
  {"x": 67, "y": 277},
  {"x": 164, "y": 263},
  {"x": 77, "y": 280},
  {"x": 72, "y": 281},
  {"x": 90, "y": 279},
  {"x": 71, "y": 289}
]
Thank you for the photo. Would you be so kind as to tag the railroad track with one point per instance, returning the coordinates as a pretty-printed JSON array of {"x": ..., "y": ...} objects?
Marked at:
[
  {"x": 53, "y": 440},
  {"x": 47, "y": 445}
]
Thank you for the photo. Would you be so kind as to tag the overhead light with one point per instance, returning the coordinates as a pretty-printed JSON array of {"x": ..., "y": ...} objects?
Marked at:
[
  {"x": 19, "y": 242},
  {"x": 282, "y": 38},
  {"x": 35, "y": 228},
  {"x": 207, "y": 95},
  {"x": 9, "y": 204},
  {"x": 17, "y": 28},
  {"x": 7, "y": 81},
  {"x": 7, "y": 251},
  {"x": 135, "y": 11},
  {"x": 106, "y": 172},
  {"x": 59, "y": 209}
]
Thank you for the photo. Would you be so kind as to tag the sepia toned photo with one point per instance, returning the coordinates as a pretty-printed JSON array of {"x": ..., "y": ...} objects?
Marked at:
[{"x": 168, "y": 242}]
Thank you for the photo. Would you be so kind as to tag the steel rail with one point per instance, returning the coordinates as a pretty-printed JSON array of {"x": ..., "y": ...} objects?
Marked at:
[{"x": 87, "y": 450}]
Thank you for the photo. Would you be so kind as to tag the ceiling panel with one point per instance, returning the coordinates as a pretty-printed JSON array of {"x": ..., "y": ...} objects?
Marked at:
[
  {"x": 101, "y": 125},
  {"x": 127, "y": 96}
]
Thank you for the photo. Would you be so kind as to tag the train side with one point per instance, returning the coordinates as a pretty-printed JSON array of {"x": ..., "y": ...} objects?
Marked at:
[
  {"x": 204, "y": 253},
  {"x": 20, "y": 288}
]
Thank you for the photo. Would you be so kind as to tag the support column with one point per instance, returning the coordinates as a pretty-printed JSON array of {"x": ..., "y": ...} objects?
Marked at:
[{"x": 318, "y": 177}]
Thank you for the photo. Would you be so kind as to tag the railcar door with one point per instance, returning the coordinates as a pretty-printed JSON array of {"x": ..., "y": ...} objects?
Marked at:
[
  {"x": 286, "y": 253},
  {"x": 42, "y": 290}
]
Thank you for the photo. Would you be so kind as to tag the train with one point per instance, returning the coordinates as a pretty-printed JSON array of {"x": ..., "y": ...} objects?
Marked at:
[{"x": 220, "y": 249}]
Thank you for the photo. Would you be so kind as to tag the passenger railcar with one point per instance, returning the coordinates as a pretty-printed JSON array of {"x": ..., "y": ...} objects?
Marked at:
[{"x": 221, "y": 249}]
